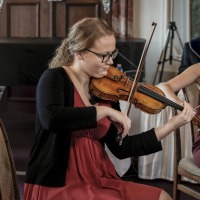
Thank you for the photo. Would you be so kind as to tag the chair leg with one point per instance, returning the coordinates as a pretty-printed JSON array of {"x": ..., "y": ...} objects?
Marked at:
[
  {"x": 176, "y": 192},
  {"x": 177, "y": 157}
]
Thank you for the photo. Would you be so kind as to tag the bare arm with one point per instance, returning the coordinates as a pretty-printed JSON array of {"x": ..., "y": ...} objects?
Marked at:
[{"x": 186, "y": 78}]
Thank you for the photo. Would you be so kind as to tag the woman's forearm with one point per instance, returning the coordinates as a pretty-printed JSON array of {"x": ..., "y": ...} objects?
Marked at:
[{"x": 186, "y": 78}]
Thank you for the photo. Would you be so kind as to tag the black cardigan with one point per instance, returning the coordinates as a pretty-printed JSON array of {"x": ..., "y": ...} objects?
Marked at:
[
  {"x": 191, "y": 54},
  {"x": 56, "y": 118}
]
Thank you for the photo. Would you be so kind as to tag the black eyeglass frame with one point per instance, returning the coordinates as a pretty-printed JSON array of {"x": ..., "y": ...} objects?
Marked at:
[{"x": 105, "y": 57}]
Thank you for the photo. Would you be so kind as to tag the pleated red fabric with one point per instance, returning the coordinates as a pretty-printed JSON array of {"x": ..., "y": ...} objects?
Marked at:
[{"x": 91, "y": 174}]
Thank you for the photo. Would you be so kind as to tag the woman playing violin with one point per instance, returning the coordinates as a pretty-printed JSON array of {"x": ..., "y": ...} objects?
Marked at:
[
  {"x": 186, "y": 78},
  {"x": 68, "y": 159}
]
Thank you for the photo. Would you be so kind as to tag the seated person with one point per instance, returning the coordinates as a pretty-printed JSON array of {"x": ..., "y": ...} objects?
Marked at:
[
  {"x": 68, "y": 159},
  {"x": 189, "y": 76},
  {"x": 191, "y": 54}
]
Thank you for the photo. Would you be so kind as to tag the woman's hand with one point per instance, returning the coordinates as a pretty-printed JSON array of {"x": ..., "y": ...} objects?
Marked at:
[
  {"x": 185, "y": 116},
  {"x": 119, "y": 119},
  {"x": 179, "y": 120}
]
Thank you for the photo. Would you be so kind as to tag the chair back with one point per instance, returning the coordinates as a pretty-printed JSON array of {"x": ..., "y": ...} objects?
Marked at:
[
  {"x": 191, "y": 94},
  {"x": 184, "y": 167},
  {"x": 8, "y": 181}
]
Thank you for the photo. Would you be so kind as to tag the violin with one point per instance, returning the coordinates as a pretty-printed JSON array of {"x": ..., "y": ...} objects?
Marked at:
[{"x": 116, "y": 86}]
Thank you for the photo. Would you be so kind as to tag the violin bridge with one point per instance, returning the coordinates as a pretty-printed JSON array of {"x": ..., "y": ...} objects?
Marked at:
[{"x": 127, "y": 82}]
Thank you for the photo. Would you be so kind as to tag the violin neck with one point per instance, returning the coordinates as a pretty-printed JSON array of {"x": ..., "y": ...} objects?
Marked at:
[{"x": 158, "y": 97}]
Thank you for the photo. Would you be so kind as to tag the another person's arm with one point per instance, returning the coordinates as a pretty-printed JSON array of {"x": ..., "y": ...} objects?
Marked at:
[{"x": 186, "y": 78}]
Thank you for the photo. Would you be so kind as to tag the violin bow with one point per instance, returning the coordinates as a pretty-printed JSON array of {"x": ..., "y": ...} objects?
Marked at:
[
  {"x": 137, "y": 76},
  {"x": 140, "y": 68}
]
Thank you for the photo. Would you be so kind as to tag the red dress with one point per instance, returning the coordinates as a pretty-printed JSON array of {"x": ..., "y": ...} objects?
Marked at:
[{"x": 91, "y": 174}]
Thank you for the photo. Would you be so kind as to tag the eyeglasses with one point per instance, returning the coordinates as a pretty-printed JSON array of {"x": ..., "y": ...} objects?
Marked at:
[{"x": 105, "y": 57}]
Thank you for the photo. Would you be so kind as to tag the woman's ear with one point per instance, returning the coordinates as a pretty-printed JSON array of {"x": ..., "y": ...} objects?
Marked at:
[{"x": 79, "y": 55}]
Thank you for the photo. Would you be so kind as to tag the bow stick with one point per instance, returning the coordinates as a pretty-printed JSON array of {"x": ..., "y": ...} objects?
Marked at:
[{"x": 137, "y": 77}]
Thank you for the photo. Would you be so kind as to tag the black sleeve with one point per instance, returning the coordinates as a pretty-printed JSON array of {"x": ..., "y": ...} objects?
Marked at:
[
  {"x": 53, "y": 98},
  {"x": 136, "y": 145}
]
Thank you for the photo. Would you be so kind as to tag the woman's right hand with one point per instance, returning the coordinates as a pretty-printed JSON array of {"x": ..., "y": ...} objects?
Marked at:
[
  {"x": 186, "y": 115},
  {"x": 119, "y": 119},
  {"x": 183, "y": 117}
]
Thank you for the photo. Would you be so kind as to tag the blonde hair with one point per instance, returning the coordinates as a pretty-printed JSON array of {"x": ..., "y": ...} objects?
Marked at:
[{"x": 82, "y": 35}]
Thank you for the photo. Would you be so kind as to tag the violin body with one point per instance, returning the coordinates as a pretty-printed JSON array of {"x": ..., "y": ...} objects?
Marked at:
[
  {"x": 116, "y": 86},
  {"x": 146, "y": 103}
]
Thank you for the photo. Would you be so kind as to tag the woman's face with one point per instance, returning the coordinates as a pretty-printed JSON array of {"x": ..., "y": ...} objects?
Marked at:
[{"x": 97, "y": 59}]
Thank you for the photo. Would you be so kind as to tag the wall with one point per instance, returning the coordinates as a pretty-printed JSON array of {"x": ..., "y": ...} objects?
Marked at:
[
  {"x": 146, "y": 12},
  {"x": 45, "y": 19}
]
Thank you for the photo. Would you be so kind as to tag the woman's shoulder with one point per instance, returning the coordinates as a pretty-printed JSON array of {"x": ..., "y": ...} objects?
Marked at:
[
  {"x": 54, "y": 72},
  {"x": 54, "y": 75}
]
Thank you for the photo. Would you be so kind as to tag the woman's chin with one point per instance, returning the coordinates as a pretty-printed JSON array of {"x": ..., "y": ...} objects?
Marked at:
[
  {"x": 100, "y": 75},
  {"x": 104, "y": 72}
]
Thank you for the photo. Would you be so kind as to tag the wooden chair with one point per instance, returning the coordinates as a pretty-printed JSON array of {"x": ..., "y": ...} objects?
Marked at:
[
  {"x": 184, "y": 167},
  {"x": 8, "y": 181}
]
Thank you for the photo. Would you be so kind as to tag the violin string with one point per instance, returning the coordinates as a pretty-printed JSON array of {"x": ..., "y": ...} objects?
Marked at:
[
  {"x": 197, "y": 117},
  {"x": 161, "y": 98},
  {"x": 195, "y": 109}
]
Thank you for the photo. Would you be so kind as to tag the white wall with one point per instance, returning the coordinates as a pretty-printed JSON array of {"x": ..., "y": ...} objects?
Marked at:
[{"x": 148, "y": 11}]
